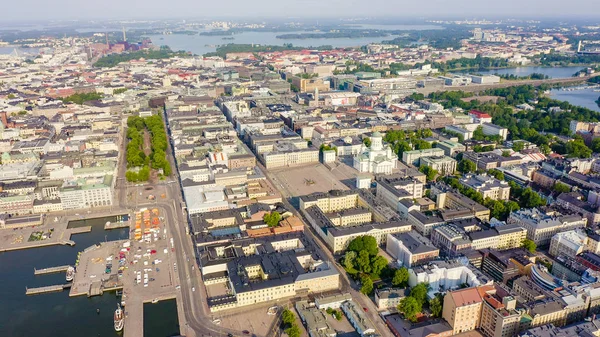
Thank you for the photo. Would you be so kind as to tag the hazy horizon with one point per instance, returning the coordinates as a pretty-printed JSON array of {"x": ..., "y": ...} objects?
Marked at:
[{"x": 430, "y": 9}]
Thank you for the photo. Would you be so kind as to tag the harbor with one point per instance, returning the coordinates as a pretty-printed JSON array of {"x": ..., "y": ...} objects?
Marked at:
[
  {"x": 132, "y": 272},
  {"x": 141, "y": 269}
]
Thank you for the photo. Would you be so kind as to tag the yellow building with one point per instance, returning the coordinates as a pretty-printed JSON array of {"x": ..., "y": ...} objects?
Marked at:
[{"x": 462, "y": 308}]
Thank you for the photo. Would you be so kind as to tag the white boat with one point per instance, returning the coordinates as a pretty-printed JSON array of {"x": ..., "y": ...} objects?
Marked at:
[
  {"x": 70, "y": 274},
  {"x": 119, "y": 318},
  {"x": 155, "y": 300}
]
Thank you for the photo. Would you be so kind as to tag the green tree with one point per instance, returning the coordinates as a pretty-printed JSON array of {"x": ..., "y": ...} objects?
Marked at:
[
  {"x": 293, "y": 331},
  {"x": 364, "y": 242},
  {"x": 378, "y": 263},
  {"x": 348, "y": 261},
  {"x": 363, "y": 262},
  {"x": 429, "y": 172},
  {"x": 400, "y": 277},
  {"x": 596, "y": 145},
  {"x": 496, "y": 174},
  {"x": 436, "y": 305},
  {"x": 529, "y": 245},
  {"x": 421, "y": 144},
  {"x": 367, "y": 141},
  {"x": 410, "y": 307},
  {"x": 518, "y": 146},
  {"x": 366, "y": 285},
  {"x": 466, "y": 166},
  {"x": 288, "y": 318},
  {"x": 577, "y": 148},
  {"x": 402, "y": 146},
  {"x": 272, "y": 219},
  {"x": 506, "y": 153},
  {"x": 561, "y": 188},
  {"x": 545, "y": 149},
  {"x": 419, "y": 292}
]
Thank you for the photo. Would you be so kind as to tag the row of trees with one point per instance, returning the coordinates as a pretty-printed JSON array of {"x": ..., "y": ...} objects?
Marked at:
[
  {"x": 81, "y": 98},
  {"x": 136, "y": 157},
  {"x": 155, "y": 125}
]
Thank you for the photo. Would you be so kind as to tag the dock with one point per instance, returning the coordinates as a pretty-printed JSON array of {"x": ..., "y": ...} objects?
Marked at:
[
  {"x": 47, "y": 289},
  {"x": 80, "y": 230},
  {"x": 116, "y": 225},
  {"x": 50, "y": 270}
]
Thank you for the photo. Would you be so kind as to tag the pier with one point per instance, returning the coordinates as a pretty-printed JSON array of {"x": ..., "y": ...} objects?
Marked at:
[
  {"x": 116, "y": 225},
  {"x": 47, "y": 289},
  {"x": 50, "y": 270}
]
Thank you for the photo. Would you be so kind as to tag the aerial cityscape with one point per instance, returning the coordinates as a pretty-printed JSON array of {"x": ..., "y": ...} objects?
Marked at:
[{"x": 313, "y": 169}]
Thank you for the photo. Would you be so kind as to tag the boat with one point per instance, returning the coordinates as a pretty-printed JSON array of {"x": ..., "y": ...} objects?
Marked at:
[
  {"x": 119, "y": 318},
  {"x": 70, "y": 274},
  {"x": 155, "y": 300}
]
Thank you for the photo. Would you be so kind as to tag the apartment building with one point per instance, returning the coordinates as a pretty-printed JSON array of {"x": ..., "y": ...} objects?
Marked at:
[
  {"x": 257, "y": 270},
  {"x": 499, "y": 317},
  {"x": 575, "y": 202},
  {"x": 392, "y": 189},
  {"x": 445, "y": 275},
  {"x": 451, "y": 239},
  {"x": 337, "y": 237},
  {"x": 450, "y": 148},
  {"x": 502, "y": 237},
  {"x": 333, "y": 201},
  {"x": 541, "y": 227},
  {"x": 444, "y": 165},
  {"x": 414, "y": 157},
  {"x": 462, "y": 308},
  {"x": 388, "y": 299},
  {"x": 547, "y": 311},
  {"x": 570, "y": 243},
  {"x": 86, "y": 196},
  {"x": 314, "y": 320},
  {"x": 488, "y": 186},
  {"x": 490, "y": 129},
  {"x": 287, "y": 156},
  {"x": 411, "y": 248},
  {"x": 356, "y": 317}
]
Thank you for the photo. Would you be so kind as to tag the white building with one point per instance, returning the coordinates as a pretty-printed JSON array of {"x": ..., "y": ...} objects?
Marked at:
[
  {"x": 378, "y": 159},
  {"x": 490, "y": 129},
  {"x": 443, "y": 276},
  {"x": 569, "y": 243},
  {"x": 86, "y": 196}
]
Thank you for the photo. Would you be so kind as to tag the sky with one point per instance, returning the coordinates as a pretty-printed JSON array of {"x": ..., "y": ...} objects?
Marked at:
[{"x": 156, "y": 9}]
